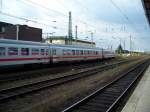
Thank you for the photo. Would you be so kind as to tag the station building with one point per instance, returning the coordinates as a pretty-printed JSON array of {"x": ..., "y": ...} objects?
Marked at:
[{"x": 64, "y": 40}]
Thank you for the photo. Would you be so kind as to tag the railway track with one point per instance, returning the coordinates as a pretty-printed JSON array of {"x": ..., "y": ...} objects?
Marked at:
[
  {"x": 13, "y": 92},
  {"x": 60, "y": 69},
  {"x": 107, "y": 98}
]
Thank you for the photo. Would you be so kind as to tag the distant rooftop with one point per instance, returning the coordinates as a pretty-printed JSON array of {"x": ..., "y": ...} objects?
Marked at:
[
  {"x": 5, "y": 24},
  {"x": 65, "y": 40}
]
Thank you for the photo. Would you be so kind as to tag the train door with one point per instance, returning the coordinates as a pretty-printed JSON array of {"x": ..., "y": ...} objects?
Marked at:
[
  {"x": 63, "y": 53},
  {"x": 49, "y": 51},
  {"x": 56, "y": 54}
]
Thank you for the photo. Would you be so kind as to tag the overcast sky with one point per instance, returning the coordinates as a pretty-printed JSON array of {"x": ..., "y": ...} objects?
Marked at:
[{"x": 111, "y": 21}]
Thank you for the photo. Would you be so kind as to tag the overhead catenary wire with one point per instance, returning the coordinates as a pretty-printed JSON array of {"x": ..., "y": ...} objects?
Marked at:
[
  {"x": 51, "y": 10},
  {"x": 1, "y": 5},
  {"x": 62, "y": 4},
  {"x": 57, "y": 12},
  {"x": 66, "y": 16},
  {"x": 26, "y": 19},
  {"x": 124, "y": 15},
  {"x": 50, "y": 16},
  {"x": 87, "y": 9},
  {"x": 62, "y": 14}
]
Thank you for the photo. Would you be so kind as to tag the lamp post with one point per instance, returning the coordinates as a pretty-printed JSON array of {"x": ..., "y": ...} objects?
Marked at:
[
  {"x": 92, "y": 38},
  {"x": 91, "y": 33},
  {"x": 52, "y": 34},
  {"x": 130, "y": 46},
  {"x": 76, "y": 34},
  {"x": 17, "y": 32},
  {"x": 47, "y": 35}
]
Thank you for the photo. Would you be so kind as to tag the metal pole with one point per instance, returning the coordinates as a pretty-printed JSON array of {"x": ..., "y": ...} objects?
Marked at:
[
  {"x": 76, "y": 33},
  {"x": 48, "y": 40},
  {"x": 111, "y": 47},
  {"x": 70, "y": 28},
  {"x": 130, "y": 45},
  {"x": 92, "y": 38},
  {"x": 120, "y": 41},
  {"x": 17, "y": 32},
  {"x": 124, "y": 44}
]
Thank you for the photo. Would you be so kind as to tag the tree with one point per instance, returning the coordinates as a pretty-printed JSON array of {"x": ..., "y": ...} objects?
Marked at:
[{"x": 119, "y": 49}]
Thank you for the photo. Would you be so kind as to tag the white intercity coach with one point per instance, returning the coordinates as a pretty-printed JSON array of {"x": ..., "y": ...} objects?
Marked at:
[{"x": 17, "y": 52}]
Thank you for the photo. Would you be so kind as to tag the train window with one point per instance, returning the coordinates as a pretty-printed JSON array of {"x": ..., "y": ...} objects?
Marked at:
[
  {"x": 77, "y": 52},
  {"x": 24, "y": 51},
  {"x": 12, "y": 51},
  {"x": 2, "y": 29},
  {"x": 90, "y": 52},
  {"x": 96, "y": 52},
  {"x": 86, "y": 52},
  {"x": 46, "y": 51},
  {"x": 69, "y": 52},
  {"x": 2, "y": 51},
  {"x": 81, "y": 52},
  {"x": 42, "y": 51},
  {"x": 73, "y": 52},
  {"x": 35, "y": 51},
  {"x": 64, "y": 52},
  {"x": 54, "y": 51}
]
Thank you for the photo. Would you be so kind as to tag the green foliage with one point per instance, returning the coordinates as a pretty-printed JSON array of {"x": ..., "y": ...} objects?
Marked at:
[{"x": 119, "y": 49}]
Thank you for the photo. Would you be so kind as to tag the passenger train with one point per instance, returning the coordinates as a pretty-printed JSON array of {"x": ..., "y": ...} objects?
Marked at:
[{"x": 13, "y": 52}]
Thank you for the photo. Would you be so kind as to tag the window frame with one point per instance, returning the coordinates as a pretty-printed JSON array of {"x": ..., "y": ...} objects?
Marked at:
[
  {"x": 42, "y": 51},
  {"x": 73, "y": 52},
  {"x": 54, "y": 51},
  {"x": 2, "y": 52},
  {"x": 13, "y": 51},
  {"x": 35, "y": 51},
  {"x": 28, "y": 52}
]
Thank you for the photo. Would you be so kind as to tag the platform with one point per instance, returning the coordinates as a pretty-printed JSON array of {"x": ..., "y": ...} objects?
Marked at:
[{"x": 140, "y": 99}]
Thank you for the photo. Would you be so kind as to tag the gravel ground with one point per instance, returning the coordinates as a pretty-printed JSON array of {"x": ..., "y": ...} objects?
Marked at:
[
  {"x": 45, "y": 75},
  {"x": 55, "y": 99}
]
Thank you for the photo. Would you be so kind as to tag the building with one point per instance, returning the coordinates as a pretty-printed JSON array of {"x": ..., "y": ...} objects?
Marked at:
[
  {"x": 65, "y": 40},
  {"x": 7, "y": 31},
  {"x": 20, "y": 32}
]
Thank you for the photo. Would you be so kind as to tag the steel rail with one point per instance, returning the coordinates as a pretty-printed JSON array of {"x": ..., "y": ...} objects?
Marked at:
[
  {"x": 107, "y": 97},
  {"x": 9, "y": 93}
]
